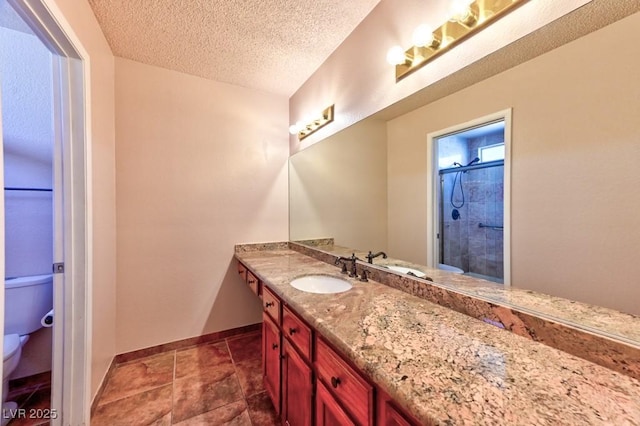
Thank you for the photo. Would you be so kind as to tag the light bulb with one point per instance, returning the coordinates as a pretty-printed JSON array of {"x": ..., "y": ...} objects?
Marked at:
[
  {"x": 293, "y": 129},
  {"x": 460, "y": 10},
  {"x": 308, "y": 120},
  {"x": 396, "y": 55},
  {"x": 423, "y": 36}
]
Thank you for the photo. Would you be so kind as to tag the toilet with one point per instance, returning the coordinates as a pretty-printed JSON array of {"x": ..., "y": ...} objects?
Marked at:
[{"x": 26, "y": 301}]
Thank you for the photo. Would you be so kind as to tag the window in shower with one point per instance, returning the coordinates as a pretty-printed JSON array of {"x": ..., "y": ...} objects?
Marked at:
[{"x": 468, "y": 207}]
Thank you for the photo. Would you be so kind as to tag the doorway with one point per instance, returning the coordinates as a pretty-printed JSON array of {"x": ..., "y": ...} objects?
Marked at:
[
  {"x": 470, "y": 201},
  {"x": 26, "y": 82},
  {"x": 70, "y": 259}
]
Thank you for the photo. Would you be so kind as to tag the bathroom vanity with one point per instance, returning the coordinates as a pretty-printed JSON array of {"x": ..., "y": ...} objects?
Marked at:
[
  {"x": 294, "y": 353},
  {"x": 378, "y": 355}
]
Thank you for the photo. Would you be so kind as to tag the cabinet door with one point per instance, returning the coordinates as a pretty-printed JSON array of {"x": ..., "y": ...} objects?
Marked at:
[
  {"x": 297, "y": 388},
  {"x": 328, "y": 411},
  {"x": 347, "y": 385},
  {"x": 271, "y": 351},
  {"x": 390, "y": 415}
]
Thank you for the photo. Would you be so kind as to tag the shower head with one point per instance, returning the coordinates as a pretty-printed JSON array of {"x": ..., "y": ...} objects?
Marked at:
[{"x": 475, "y": 160}]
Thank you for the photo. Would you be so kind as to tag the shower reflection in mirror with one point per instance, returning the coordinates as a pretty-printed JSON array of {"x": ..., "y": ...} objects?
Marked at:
[{"x": 471, "y": 200}]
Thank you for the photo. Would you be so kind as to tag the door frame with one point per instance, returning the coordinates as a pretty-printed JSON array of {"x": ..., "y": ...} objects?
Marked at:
[
  {"x": 70, "y": 392},
  {"x": 433, "y": 214}
]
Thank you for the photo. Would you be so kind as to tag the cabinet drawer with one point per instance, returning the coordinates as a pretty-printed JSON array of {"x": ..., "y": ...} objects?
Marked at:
[
  {"x": 271, "y": 305},
  {"x": 253, "y": 282},
  {"x": 297, "y": 332},
  {"x": 349, "y": 388},
  {"x": 242, "y": 271}
]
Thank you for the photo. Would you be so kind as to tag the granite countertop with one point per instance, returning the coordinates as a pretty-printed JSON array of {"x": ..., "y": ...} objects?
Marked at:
[
  {"x": 445, "y": 367},
  {"x": 598, "y": 319}
]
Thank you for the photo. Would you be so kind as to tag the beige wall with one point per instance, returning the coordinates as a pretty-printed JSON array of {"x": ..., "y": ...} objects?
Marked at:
[
  {"x": 79, "y": 17},
  {"x": 339, "y": 189},
  {"x": 357, "y": 78},
  {"x": 575, "y": 179},
  {"x": 201, "y": 166}
]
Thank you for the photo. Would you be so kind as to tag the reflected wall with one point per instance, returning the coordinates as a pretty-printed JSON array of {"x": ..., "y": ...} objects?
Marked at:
[
  {"x": 338, "y": 188},
  {"x": 574, "y": 154},
  {"x": 574, "y": 176}
]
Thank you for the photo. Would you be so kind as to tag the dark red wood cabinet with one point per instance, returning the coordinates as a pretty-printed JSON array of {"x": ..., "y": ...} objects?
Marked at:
[
  {"x": 297, "y": 388},
  {"x": 293, "y": 353},
  {"x": 328, "y": 411},
  {"x": 271, "y": 354}
]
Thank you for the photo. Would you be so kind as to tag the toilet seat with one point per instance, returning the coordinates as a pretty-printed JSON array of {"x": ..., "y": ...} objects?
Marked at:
[{"x": 11, "y": 345}]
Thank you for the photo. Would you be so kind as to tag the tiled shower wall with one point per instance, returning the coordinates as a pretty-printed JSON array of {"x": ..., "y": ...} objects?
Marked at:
[{"x": 466, "y": 245}]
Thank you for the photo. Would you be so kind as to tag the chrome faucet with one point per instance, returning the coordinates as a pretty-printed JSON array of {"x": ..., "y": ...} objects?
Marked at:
[{"x": 372, "y": 256}]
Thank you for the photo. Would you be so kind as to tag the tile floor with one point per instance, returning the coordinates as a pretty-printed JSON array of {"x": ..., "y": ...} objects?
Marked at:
[
  {"x": 217, "y": 383},
  {"x": 33, "y": 396}
]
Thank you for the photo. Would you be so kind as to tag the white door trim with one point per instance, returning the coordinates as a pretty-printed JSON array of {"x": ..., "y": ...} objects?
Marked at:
[
  {"x": 72, "y": 306},
  {"x": 432, "y": 187}
]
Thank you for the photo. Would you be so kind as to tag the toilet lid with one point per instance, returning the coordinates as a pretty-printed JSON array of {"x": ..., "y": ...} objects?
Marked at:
[{"x": 11, "y": 345}]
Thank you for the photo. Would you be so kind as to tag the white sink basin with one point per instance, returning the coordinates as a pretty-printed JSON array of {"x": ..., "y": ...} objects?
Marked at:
[
  {"x": 404, "y": 270},
  {"x": 323, "y": 284}
]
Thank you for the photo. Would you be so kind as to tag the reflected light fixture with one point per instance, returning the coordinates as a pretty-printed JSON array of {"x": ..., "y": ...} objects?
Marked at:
[
  {"x": 466, "y": 17},
  {"x": 462, "y": 12},
  {"x": 310, "y": 125}
]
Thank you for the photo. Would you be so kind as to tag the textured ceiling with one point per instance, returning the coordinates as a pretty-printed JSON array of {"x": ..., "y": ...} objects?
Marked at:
[{"x": 270, "y": 45}]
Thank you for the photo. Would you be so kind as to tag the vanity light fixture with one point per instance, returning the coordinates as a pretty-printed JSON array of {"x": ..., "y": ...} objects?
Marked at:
[
  {"x": 465, "y": 19},
  {"x": 313, "y": 124}
]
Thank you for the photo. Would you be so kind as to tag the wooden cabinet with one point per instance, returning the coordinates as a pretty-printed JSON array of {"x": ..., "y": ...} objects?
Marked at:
[
  {"x": 328, "y": 411},
  {"x": 242, "y": 271},
  {"x": 348, "y": 387},
  {"x": 339, "y": 395},
  {"x": 297, "y": 388},
  {"x": 390, "y": 415},
  {"x": 271, "y": 355},
  {"x": 287, "y": 376},
  {"x": 271, "y": 305},
  {"x": 247, "y": 276},
  {"x": 253, "y": 282},
  {"x": 297, "y": 332}
]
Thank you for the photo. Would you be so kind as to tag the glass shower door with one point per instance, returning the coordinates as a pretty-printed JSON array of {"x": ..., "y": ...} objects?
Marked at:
[{"x": 471, "y": 226}]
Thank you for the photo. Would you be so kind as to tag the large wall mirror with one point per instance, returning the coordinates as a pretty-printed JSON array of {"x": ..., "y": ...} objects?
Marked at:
[{"x": 574, "y": 183}]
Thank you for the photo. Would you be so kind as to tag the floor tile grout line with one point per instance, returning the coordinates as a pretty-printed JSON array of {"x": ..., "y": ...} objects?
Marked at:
[
  {"x": 235, "y": 369},
  {"x": 246, "y": 396},
  {"x": 235, "y": 373},
  {"x": 235, "y": 362},
  {"x": 101, "y": 404}
]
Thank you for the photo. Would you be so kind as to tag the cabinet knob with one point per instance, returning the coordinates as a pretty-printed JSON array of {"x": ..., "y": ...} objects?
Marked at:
[
  {"x": 292, "y": 331},
  {"x": 268, "y": 304},
  {"x": 274, "y": 346},
  {"x": 251, "y": 281},
  {"x": 335, "y": 381}
]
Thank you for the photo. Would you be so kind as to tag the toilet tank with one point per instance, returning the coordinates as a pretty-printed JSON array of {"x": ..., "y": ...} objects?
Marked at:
[{"x": 26, "y": 301}]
